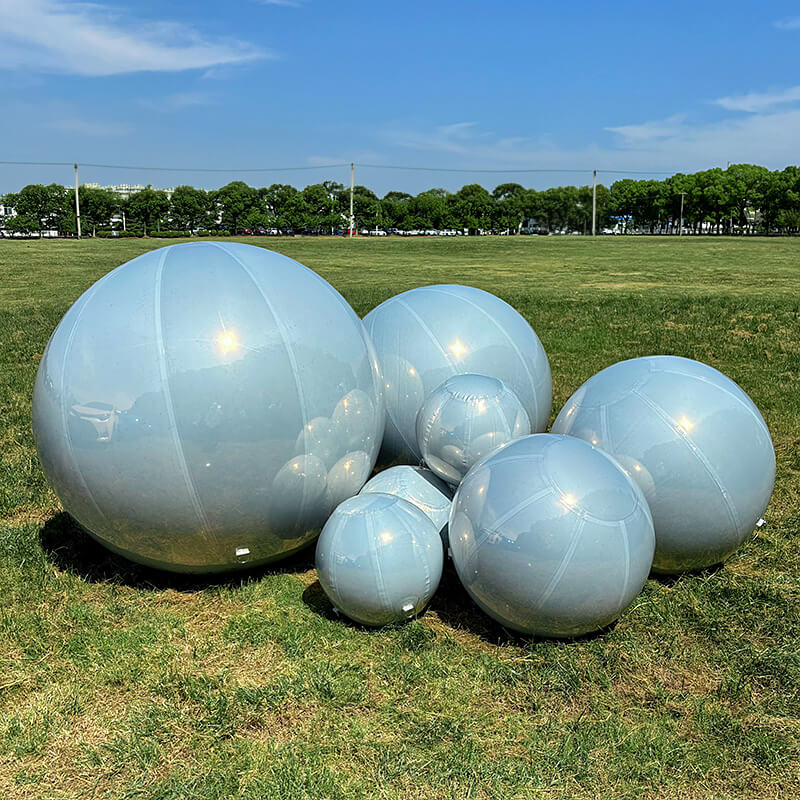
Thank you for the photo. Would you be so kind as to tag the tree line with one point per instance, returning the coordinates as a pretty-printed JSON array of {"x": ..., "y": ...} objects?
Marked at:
[{"x": 744, "y": 198}]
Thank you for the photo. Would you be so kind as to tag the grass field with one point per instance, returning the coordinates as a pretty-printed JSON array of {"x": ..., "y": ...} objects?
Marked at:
[{"x": 118, "y": 682}]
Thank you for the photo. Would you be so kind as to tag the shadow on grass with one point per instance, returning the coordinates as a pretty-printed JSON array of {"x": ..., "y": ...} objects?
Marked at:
[
  {"x": 670, "y": 579},
  {"x": 315, "y": 598},
  {"x": 67, "y": 546},
  {"x": 454, "y": 607}
]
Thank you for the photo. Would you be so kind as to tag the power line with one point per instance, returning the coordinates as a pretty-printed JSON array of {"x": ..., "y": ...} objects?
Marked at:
[
  {"x": 39, "y": 163},
  {"x": 638, "y": 172},
  {"x": 171, "y": 169},
  {"x": 517, "y": 169},
  {"x": 449, "y": 169},
  {"x": 213, "y": 169},
  {"x": 410, "y": 168}
]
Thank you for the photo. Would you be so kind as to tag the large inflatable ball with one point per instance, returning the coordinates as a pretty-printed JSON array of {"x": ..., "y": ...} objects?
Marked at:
[
  {"x": 464, "y": 419},
  {"x": 421, "y": 488},
  {"x": 693, "y": 441},
  {"x": 206, "y": 406},
  {"x": 550, "y": 536},
  {"x": 379, "y": 559},
  {"x": 426, "y": 335}
]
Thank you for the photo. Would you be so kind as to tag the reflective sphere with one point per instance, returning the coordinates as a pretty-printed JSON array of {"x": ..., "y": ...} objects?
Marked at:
[
  {"x": 379, "y": 559},
  {"x": 206, "y": 406},
  {"x": 421, "y": 488},
  {"x": 693, "y": 441},
  {"x": 426, "y": 335},
  {"x": 464, "y": 419},
  {"x": 550, "y": 536}
]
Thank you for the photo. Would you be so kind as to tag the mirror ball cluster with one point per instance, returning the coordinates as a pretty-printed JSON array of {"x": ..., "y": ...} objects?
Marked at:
[{"x": 213, "y": 406}]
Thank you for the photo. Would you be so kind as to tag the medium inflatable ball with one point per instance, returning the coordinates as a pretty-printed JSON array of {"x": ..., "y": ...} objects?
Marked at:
[
  {"x": 206, "y": 406},
  {"x": 379, "y": 559},
  {"x": 550, "y": 536},
  {"x": 694, "y": 442},
  {"x": 421, "y": 488},
  {"x": 463, "y": 420},
  {"x": 427, "y": 335}
]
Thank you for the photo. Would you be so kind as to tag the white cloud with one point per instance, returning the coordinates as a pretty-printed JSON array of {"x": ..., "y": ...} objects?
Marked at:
[
  {"x": 85, "y": 127},
  {"x": 457, "y": 137},
  {"x": 179, "y": 101},
  {"x": 767, "y": 138},
  {"x": 755, "y": 102},
  {"x": 788, "y": 24},
  {"x": 650, "y": 131},
  {"x": 674, "y": 144},
  {"x": 89, "y": 39}
]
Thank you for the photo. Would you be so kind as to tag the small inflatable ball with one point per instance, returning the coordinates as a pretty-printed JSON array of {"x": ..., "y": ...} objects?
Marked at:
[
  {"x": 550, "y": 536},
  {"x": 421, "y": 488},
  {"x": 693, "y": 441},
  {"x": 463, "y": 420},
  {"x": 426, "y": 335},
  {"x": 379, "y": 559},
  {"x": 206, "y": 406}
]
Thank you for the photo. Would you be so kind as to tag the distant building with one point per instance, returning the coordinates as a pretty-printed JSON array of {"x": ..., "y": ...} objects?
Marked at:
[{"x": 125, "y": 190}]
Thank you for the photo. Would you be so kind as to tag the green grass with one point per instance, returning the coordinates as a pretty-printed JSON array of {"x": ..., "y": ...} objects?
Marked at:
[{"x": 116, "y": 681}]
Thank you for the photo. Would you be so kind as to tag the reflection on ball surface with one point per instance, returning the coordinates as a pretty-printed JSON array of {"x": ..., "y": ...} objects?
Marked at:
[
  {"x": 463, "y": 420},
  {"x": 379, "y": 559},
  {"x": 205, "y": 406},
  {"x": 421, "y": 488},
  {"x": 550, "y": 536},
  {"x": 695, "y": 443},
  {"x": 426, "y": 335}
]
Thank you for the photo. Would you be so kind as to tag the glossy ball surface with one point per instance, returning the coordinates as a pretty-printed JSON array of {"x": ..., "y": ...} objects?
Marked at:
[
  {"x": 379, "y": 559},
  {"x": 550, "y": 536},
  {"x": 695, "y": 443},
  {"x": 463, "y": 420},
  {"x": 426, "y": 335},
  {"x": 421, "y": 488},
  {"x": 206, "y": 406}
]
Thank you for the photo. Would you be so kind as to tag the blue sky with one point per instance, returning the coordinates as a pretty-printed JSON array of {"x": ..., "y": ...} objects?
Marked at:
[{"x": 520, "y": 85}]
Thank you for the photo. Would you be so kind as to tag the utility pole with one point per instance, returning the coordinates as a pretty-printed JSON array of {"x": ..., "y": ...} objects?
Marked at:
[
  {"x": 77, "y": 202},
  {"x": 352, "y": 181},
  {"x": 680, "y": 230},
  {"x": 594, "y": 202}
]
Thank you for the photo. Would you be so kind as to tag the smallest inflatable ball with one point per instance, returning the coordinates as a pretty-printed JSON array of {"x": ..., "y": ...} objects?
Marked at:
[{"x": 379, "y": 559}]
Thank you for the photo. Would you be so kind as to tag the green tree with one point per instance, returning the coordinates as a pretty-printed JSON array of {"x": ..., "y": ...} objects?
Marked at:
[
  {"x": 19, "y": 223},
  {"x": 323, "y": 205},
  {"x": 148, "y": 207},
  {"x": 509, "y": 206},
  {"x": 189, "y": 207},
  {"x": 97, "y": 207},
  {"x": 366, "y": 208},
  {"x": 42, "y": 207},
  {"x": 473, "y": 207},
  {"x": 280, "y": 202},
  {"x": 234, "y": 201},
  {"x": 741, "y": 187},
  {"x": 394, "y": 209},
  {"x": 429, "y": 209}
]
